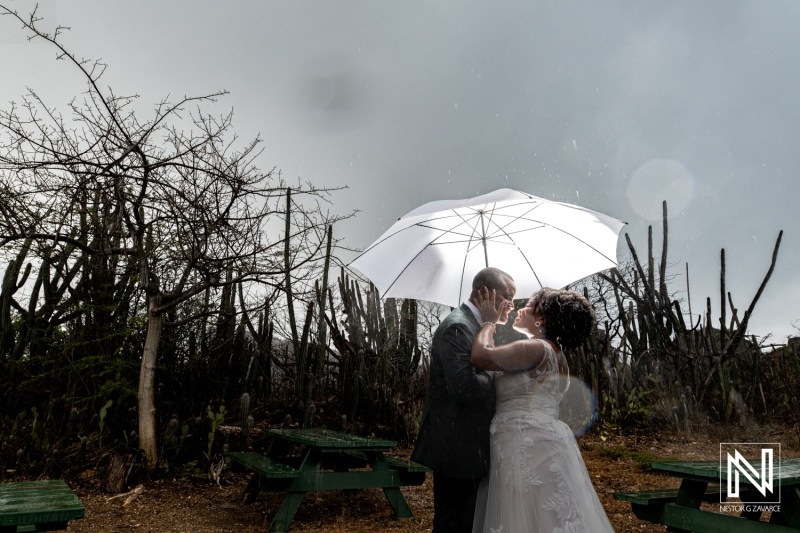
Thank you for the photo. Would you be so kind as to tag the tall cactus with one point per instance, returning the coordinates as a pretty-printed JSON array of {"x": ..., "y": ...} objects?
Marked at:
[
  {"x": 378, "y": 349},
  {"x": 262, "y": 332},
  {"x": 11, "y": 284},
  {"x": 301, "y": 355},
  {"x": 246, "y": 419},
  {"x": 655, "y": 333},
  {"x": 322, "y": 294},
  {"x": 287, "y": 266}
]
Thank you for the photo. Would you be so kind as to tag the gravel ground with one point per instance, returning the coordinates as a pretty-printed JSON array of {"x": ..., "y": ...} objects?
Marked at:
[{"x": 183, "y": 506}]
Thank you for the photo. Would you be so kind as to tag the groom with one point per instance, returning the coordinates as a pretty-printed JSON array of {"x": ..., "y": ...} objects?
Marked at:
[{"x": 459, "y": 406}]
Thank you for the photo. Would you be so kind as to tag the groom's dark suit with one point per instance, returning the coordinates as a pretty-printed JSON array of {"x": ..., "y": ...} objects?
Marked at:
[{"x": 454, "y": 431}]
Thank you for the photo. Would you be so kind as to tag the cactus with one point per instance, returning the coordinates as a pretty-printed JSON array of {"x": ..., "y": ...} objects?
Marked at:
[
  {"x": 301, "y": 355},
  {"x": 321, "y": 294},
  {"x": 170, "y": 434},
  {"x": 101, "y": 423},
  {"x": 73, "y": 420},
  {"x": 247, "y": 428},
  {"x": 655, "y": 332},
  {"x": 287, "y": 265},
  {"x": 11, "y": 343},
  {"x": 299, "y": 341},
  {"x": 244, "y": 409},
  {"x": 217, "y": 419},
  {"x": 378, "y": 350},
  {"x": 19, "y": 454}
]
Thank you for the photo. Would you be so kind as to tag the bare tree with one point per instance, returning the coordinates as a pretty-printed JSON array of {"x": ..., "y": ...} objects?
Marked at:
[{"x": 177, "y": 204}]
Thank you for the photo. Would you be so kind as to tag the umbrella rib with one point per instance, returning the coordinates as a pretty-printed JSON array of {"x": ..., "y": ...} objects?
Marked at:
[
  {"x": 449, "y": 231},
  {"x": 533, "y": 270},
  {"x": 424, "y": 224},
  {"x": 501, "y": 229},
  {"x": 387, "y": 237},
  {"x": 381, "y": 241},
  {"x": 565, "y": 232},
  {"x": 515, "y": 218},
  {"x": 466, "y": 255},
  {"x": 499, "y": 224},
  {"x": 404, "y": 269},
  {"x": 585, "y": 243},
  {"x": 431, "y": 243}
]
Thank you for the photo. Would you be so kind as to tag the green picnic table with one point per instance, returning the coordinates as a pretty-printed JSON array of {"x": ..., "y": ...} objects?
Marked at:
[
  {"x": 46, "y": 505},
  {"x": 706, "y": 481},
  {"x": 328, "y": 460}
]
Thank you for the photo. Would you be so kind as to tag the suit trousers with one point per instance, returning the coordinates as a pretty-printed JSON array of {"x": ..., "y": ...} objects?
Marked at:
[{"x": 453, "y": 503}]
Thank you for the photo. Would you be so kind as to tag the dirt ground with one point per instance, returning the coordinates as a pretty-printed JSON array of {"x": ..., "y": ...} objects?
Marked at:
[{"x": 182, "y": 506}]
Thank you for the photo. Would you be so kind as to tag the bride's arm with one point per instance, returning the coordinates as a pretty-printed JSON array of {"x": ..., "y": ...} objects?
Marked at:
[{"x": 517, "y": 356}]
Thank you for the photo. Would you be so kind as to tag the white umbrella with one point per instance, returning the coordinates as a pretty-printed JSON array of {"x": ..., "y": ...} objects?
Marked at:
[{"x": 433, "y": 252}]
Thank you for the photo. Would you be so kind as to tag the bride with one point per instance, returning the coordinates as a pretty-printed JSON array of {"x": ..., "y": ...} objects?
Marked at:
[{"x": 538, "y": 481}]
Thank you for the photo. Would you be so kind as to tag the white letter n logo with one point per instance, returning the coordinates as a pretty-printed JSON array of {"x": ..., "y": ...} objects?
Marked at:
[{"x": 740, "y": 464}]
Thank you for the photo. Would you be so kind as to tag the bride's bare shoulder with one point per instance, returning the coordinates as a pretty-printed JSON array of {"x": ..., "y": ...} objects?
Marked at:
[{"x": 541, "y": 348}]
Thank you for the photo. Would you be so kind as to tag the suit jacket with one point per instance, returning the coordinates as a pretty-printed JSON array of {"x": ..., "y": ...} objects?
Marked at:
[{"x": 459, "y": 403}]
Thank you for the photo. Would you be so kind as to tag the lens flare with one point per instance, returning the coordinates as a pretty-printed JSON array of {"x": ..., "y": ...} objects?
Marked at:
[
  {"x": 578, "y": 407},
  {"x": 656, "y": 181}
]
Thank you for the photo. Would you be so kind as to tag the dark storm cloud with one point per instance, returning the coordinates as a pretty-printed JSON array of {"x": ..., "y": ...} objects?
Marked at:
[{"x": 613, "y": 105}]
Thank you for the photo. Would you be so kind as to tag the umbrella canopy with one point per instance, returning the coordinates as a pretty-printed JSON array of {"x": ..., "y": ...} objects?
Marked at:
[{"x": 433, "y": 252}]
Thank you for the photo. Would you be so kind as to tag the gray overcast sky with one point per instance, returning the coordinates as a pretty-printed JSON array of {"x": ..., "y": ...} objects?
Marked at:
[{"x": 612, "y": 105}]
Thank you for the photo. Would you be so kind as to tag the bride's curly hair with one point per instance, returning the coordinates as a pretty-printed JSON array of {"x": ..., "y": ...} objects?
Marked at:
[{"x": 569, "y": 316}]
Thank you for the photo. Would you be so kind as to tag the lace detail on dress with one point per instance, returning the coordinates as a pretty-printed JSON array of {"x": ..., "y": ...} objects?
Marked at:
[
  {"x": 563, "y": 504},
  {"x": 538, "y": 481},
  {"x": 535, "y": 392},
  {"x": 514, "y": 470}
]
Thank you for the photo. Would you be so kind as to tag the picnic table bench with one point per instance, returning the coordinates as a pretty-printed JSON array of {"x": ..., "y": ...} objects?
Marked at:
[
  {"x": 46, "y": 505},
  {"x": 329, "y": 460},
  {"x": 679, "y": 509}
]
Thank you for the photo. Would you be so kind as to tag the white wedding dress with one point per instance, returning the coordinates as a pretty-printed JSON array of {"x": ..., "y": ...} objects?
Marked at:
[{"x": 538, "y": 481}]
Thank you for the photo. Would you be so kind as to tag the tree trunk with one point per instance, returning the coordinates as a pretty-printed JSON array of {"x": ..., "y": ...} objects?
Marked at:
[
  {"x": 147, "y": 406},
  {"x": 119, "y": 469}
]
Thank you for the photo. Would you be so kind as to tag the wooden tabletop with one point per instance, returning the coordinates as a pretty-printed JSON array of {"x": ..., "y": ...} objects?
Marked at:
[
  {"x": 325, "y": 438},
  {"x": 788, "y": 471}
]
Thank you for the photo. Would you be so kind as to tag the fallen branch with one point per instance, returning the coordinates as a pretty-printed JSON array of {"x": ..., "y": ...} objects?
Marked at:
[{"x": 132, "y": 495}]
